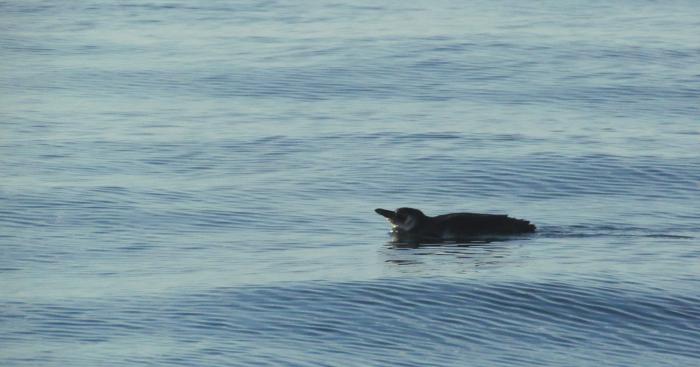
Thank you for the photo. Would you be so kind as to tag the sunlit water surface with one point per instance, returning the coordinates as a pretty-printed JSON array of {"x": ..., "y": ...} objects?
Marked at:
[{"x": 194, "y": 184}]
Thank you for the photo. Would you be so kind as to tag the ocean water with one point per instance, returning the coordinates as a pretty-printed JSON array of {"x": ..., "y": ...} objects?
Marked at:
[{"x": 193, "y": 183}]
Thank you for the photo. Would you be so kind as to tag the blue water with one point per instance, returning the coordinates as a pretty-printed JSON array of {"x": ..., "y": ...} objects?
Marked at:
[{"x": 194, "y": 184}]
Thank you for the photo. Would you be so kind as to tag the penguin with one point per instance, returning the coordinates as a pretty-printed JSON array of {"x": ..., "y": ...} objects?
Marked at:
[{"x": 410, "y": 223}]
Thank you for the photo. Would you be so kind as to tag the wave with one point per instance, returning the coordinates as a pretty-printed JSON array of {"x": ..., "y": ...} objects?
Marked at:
[{"x": 436, "y": 321}]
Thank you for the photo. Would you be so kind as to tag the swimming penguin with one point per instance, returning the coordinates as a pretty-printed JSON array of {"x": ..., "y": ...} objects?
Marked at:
[{"x": 409, "y": 223}]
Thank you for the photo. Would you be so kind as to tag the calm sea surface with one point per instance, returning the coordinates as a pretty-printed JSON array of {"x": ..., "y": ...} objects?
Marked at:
[{"x": 186, "y": 184}]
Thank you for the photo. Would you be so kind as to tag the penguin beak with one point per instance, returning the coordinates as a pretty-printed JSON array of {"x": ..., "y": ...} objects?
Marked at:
[
  {"x": 392, "y": 216},
  {"x": 386, "y": 213}
]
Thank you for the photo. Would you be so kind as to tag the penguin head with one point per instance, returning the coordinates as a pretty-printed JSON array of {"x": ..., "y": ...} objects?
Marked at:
[{"x": 403, "y": 219}]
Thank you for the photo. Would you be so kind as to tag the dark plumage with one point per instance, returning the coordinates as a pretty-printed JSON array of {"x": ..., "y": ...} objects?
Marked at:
[{"x": 413, "y": 224}]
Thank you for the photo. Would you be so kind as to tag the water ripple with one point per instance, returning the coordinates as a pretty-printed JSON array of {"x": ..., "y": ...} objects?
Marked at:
[
  {"x": 448, "y": 321},
  {"x": 204, "y": 197}
]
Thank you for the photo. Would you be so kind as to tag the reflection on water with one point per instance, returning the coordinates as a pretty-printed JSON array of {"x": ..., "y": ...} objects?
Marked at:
[
  {"x": 449, "y": 259},
  {"x": 458, "y": 257}
]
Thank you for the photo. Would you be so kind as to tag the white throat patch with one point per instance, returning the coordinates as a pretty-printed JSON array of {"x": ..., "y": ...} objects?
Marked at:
[{"x": 407, "y": 225}]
